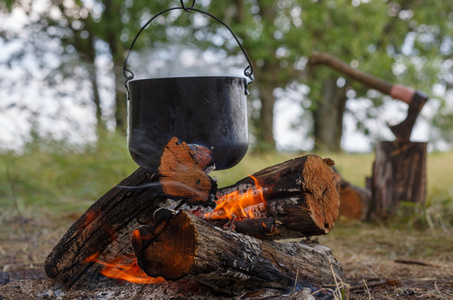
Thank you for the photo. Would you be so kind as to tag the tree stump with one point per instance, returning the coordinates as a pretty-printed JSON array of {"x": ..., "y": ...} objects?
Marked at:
[{"x": 399, "y": 175}]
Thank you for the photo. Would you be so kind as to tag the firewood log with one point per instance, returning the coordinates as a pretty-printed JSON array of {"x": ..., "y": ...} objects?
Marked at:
[
  {"x": 296, "y": 198},
  {"x": 174, "y": 177},
  {"x": 230, "y": 262},
  {"x": 355, "y": 201}
]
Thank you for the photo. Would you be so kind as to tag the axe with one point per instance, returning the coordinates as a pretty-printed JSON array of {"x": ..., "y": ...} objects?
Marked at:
[{"x": 415, "y": 99}]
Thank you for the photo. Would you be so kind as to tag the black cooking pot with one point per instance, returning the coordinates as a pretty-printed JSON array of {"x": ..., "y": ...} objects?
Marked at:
[{"x": 209, "y": 111}]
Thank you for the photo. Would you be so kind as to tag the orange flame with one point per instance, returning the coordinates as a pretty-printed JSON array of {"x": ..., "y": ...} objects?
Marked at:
[
  {"x": 123, "y": 268},
  {"x": 239, "y": 205}
]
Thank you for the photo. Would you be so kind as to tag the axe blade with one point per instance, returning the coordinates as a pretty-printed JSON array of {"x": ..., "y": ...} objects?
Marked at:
[{"x": 403, "y": 130}]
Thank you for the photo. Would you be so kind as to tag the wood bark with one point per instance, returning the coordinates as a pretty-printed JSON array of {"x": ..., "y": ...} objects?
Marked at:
[
  {"x": 399, "y": 175},
  {"x": 230, "y": 262},
  {"x": 298, "y": 198},
  {"x": 174, "y": 177}
]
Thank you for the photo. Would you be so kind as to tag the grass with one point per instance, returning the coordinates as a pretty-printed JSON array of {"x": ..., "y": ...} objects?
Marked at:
[
  {"x": 60, "y": 179},
  {"x": 52, "y": 178}
]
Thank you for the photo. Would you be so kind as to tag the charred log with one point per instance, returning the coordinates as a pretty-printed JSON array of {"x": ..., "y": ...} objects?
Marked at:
[{"x": 189, "y": 247}]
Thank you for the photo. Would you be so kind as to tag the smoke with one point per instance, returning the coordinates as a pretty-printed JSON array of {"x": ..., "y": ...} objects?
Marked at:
[
  {"x": 141, "y": 147},
  {"x": 190, "y": 191},
  {"x": 182, "y": 60}
]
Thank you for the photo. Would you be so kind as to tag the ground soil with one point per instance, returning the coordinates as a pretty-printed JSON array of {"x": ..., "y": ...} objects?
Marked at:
[{"x": 379, "y": 261}]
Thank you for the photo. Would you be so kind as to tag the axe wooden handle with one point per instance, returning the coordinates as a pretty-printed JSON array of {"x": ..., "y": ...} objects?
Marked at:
[{"x": 396, "y": 91}]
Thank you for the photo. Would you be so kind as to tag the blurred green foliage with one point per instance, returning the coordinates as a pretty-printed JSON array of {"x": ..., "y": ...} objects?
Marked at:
[{"x": 401, "y": 41}]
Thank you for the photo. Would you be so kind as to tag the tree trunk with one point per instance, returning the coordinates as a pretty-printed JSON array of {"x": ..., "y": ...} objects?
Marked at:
[
  {"x": 117, "y": 50},
  {"x": 328, "y": 116},
  {"x": 233, "y": 263},
  {"x": 292, "y": 199},
  {"x": 266, "y": 121},
  {"x": 87, "y": 51},
  {"x": 120, "y": 103},
  {"x": 399, "y": 175},
  {"x": 97, "y": 100},
  {"x": 266, "y": 80},
  {"x": 176, "y": 176},
  {"x": 100, "y": 126}
]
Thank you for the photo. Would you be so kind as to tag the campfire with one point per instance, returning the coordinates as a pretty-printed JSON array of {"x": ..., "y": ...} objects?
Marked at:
[{"x": 170, "y": 221}]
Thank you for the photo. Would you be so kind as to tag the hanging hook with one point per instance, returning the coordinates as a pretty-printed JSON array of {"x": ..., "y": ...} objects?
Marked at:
[{"x": 184, "y": 6}]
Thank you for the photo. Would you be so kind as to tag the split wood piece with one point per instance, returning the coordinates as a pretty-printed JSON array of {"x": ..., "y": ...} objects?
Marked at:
[
  {"x": 189, "y": 247},
  {"x": 293, "y": 199},
  {"x": 354, "y": 201},
  {"x": 399, "y": 175},
  {"x": 174, "y": 176}
]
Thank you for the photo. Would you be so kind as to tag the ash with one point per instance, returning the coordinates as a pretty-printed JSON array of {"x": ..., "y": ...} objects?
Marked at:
[{"x": 182, "y": 289}]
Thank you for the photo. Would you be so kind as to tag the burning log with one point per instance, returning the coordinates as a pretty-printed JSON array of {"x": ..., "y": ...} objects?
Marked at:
[
  {"x": 186, "y": 246},
  {"x": 292, "y": 199},
  {"x": 175, "y": 177}
]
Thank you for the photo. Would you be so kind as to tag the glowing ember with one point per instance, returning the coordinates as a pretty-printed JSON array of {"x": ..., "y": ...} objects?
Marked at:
[
  {"x": 239, "y": 205},
  {"x": 124, "y": 268}
]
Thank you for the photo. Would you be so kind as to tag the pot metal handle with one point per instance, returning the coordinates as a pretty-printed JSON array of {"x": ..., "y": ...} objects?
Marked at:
[{"x": 129, "y": 75}]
